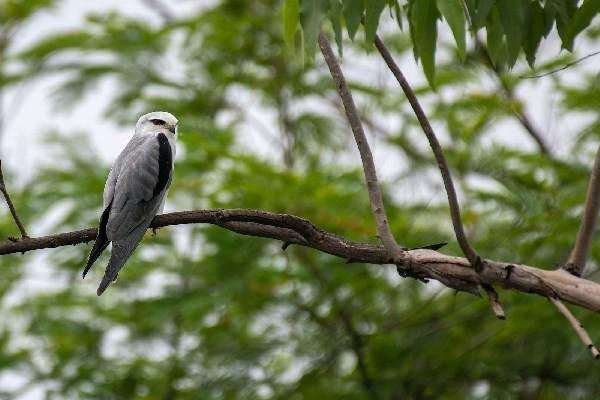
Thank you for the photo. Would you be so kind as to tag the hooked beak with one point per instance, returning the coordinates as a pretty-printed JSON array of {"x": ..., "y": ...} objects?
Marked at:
[{"x": 173, "y": 129}]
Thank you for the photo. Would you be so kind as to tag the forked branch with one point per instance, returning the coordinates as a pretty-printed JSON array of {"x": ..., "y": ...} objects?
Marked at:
[
  {"x": 375, "y": 198},
  {"x": 459, "y": 230}
]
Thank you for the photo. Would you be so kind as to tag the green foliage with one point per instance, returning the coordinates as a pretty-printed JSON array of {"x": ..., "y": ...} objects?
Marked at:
[
  {"x": 512, "y": 26},
  {"x": 200, "y": 312}
]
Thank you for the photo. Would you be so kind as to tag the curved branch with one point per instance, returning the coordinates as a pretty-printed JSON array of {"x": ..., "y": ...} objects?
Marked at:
[
  {"x": 422, "y": 263},
  {"x": 375, "y": 198},
  {"x": 459, "y": 230}
]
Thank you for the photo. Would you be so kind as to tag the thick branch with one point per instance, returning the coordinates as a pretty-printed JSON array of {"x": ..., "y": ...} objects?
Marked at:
[
  {"x": 579, "y": 329},
  {"x": 461, "y": 237},
  {"x": 583, "y": 243},
  {"x": 11, "y": 206},
  {"x": 424, "y": 263},
  {"x": 377, "y": 207}
]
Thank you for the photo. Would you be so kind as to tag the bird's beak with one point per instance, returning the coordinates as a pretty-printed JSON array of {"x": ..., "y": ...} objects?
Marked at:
[{"x": 173, "y": 129}]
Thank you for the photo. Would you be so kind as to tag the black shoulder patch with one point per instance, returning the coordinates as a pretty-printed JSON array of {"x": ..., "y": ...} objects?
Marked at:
[{"x": 165, "y": 163}]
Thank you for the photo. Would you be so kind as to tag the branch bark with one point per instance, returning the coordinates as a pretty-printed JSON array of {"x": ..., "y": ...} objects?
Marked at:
[
  {"x": 11, "y": 206},
  {"x": 587, "y": 227},
  {"x": 461, "y": 237},
  {"x": 375, "y": 198},
  {"x": 422, "y": 263},
  {"x": 459, "y": 231},
  {"x": 577, "y": 327}
]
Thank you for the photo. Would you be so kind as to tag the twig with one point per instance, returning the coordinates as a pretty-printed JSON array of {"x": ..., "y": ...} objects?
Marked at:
[
  {"x": 568, "y": 65},
  {"x": 466, "y": 248},
  {"x": 494, "y": 301},
  {"x": 376, "y": 200},
  {"x": 579, "y": 329},
  {"x": 11, "y": 206},
  {"x": 587, "y": 227}
]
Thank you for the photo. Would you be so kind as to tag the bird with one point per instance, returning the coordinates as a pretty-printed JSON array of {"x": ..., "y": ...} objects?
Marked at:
[{"x": 135, "y": 191}]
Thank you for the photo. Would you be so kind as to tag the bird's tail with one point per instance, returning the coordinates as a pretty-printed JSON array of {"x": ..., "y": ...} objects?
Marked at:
[
  {"x": 121, "y": 250},
  {"x": 101, "y": 242}
]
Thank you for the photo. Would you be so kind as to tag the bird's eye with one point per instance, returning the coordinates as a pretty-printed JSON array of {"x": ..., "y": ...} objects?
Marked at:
[{"x": 157, "y": 121}]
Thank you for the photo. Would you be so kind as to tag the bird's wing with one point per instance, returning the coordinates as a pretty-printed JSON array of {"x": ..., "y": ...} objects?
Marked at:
[
  {"x": 102, "y": 241},
  {"x": 145, "y": 172}
]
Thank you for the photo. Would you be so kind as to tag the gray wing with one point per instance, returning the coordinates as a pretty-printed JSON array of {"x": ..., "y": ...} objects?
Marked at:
[{"x": 143, "y": 174}]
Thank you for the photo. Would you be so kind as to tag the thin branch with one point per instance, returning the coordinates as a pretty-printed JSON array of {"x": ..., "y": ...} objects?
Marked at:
[
  {"x": 579, "y": 329},
  {"x": 11, "y": 206},
  {"x": 585, "y": 234},
  {"x": 461, "y": 237},
  {"x": 376, "y": 200},
  {"x": 520, "y": 115},
  {"x": 494, "y": 301},
  {"x": 422, "y": 263},
  {"x": 568, "y": 65}
]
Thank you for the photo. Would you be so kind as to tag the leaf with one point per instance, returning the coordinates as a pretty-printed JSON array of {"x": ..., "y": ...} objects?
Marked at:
[
  {"x": 373, "y": 11},
  {"x": 535, "y": 31},
  {"x": 478, "y": 11},
  {"x": 353, "y": 12},
  {"x": 564, "y": 9},
  {"x": 335, "y": 14},
  {"x": 580, "y": 20},
  {"x": 512, "y": 16},
  {"x": 290, "y": 16},
  {"x": 311, "y": 16},
  {"x": 422, "y": 16},
  {"x": 495, "y": 44},
  {"x": 398, "y": 15},
  {"x": 453, "y": 13}
]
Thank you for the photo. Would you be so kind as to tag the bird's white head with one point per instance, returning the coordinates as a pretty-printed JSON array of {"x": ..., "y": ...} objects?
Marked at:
[{"x": 157, "y": 122}]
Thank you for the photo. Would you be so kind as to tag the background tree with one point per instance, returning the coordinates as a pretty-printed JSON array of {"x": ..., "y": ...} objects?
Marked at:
[{"x": 205, "y": 313}]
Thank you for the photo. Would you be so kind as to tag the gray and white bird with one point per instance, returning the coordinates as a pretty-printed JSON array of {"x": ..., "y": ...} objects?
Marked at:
[{"x": 135, "y": 191}]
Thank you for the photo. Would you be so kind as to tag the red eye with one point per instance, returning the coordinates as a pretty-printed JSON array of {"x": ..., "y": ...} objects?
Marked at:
[{"x": 157, "y": 121}]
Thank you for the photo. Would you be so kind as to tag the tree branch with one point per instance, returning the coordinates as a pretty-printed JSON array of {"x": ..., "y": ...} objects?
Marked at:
[
  {"x": 579, "y": 329},
  {"x": 461, "y": 237},
  {"x": 11, "y": 206},
  {"x": 459, "y": 231},
  {"x": 375, "y": 198},
  {"x": 422, "y": 263},
  {"x": 587, "y": 227}
]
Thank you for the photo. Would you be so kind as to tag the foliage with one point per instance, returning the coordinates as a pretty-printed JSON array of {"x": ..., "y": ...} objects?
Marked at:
[
  {"x": 511, "y": 27},
  {"x": 200, "y": 312}
]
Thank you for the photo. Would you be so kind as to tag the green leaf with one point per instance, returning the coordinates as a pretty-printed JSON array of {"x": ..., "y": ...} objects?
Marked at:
[
  {"x": 535, "y": 31},
  {"x": 373, "y": 11},
  {"x": 335, "y": 14},
  {"x": 478, "y": 11},
  {"x": 581, "y": 20},
  {"x": 353, "y": 12},
  {"x": 453, "y": 13},
  {"x": 311, "y": 16},
  {"x": 398, "y": 15},
  {"x": 512, "y": 16},
  {"x": 422, "y": 16},
  {"x": 290, "y": 16},
  {"x": 495, "y": 44}
]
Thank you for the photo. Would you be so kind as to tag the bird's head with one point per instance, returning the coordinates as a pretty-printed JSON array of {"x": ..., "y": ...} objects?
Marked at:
[{"x": 156, "y": 122}]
